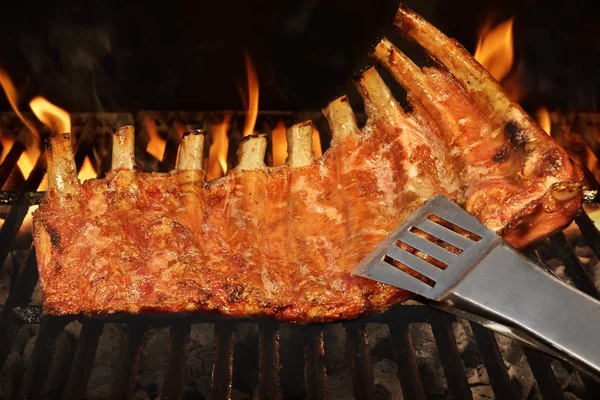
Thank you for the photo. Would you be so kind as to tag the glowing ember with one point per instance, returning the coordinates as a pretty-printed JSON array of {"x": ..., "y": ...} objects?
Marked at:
[
  {"x": 217, "y": 155},
  {"x": 495, "y": 48},
  {"x": 87, "y": 170},
  {"x": 252, "y": 78},
  {"x": 54, "y": 117}
]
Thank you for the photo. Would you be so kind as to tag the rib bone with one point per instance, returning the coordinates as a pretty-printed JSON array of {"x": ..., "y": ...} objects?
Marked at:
[
  {"x": 379, "y": 101},
  {"x": 341, "y": 120},
  {"x": 299, "y": 140},
  {"x": 191, "y": 151},
  {"x": 486, "y": 92},
  {"x": 62, "y": 172},
  {"x": 251, "y": 153},
  {"x": 123, "y": 155}
]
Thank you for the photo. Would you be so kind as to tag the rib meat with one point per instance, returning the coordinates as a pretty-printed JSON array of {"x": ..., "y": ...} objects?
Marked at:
[{"x": 281, "y": 242}]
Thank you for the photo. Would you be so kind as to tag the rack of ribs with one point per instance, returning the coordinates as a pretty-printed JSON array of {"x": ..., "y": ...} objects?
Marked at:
[{"x": 281, "y": 242}]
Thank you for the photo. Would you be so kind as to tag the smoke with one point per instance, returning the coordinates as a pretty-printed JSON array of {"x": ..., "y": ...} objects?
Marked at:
[{"x": 69, "y": 64}]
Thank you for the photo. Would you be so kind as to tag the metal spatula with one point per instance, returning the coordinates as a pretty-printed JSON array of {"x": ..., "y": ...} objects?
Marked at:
[{"x": 443, "y": 253}]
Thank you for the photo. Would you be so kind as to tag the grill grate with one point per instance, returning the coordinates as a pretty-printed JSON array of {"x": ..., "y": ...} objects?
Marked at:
[{"x": 279, "y": 346}]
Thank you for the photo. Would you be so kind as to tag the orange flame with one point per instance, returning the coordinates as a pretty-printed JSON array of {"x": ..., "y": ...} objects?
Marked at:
[
  {"x": 543, "y": 118},
  {"x": 317, "y": 149},
  {"x": 180, "y": 129},
  {"x": 29, "y": 157},
  {"x": 495, "y": 51},
  {"x": 54, "y": 117},
  {"x": 217, "y": 154},
  {"x": 13, "y": 99},
  {"x": 156, "y": 145},
  {"x": 279, "y": 144},
  {"x": 7, "y": 144},
  {"x": 87, "y": 170},
  {"x": 252, "y": 78}
]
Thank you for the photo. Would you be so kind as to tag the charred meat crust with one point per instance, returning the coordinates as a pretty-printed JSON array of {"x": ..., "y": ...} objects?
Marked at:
[{"x": 282, "y": 242}]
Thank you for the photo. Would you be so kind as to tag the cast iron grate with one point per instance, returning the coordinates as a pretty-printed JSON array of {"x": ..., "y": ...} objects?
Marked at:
[{"x": 71, "y": 373}]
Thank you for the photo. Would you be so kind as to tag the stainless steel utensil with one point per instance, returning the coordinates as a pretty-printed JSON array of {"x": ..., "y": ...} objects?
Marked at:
[{"x": 443, "y": 253}]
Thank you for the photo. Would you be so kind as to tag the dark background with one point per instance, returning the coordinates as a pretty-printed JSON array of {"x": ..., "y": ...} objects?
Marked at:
[{"x": 110, "y": 56}]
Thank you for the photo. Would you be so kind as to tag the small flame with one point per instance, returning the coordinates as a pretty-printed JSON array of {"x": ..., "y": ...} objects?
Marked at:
[
  {"x": 7, "y": 144},
  {"x": 27, "y": 161},
  {"x": 495, "y": 49},
  {"x": 180, "y": 129},
  {"x": 543, "y": 118},
  {"x": 217, "y": 155},
  {"x": 317, "y": 149},
  {"x": 13, "y": 99},
  {"x": 54, "y": 117},
  {"x": 279, "y": 144},
  {"x": 87, "y": 170},
  {"x": 156, "y": 145},
  {"x": 252, "y": 78}
]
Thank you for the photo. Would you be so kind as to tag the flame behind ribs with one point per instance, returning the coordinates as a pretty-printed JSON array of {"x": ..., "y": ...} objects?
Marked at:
[{"x": 281, "y": 241}]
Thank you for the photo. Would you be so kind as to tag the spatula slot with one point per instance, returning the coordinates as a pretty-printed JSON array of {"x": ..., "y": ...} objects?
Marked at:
[
  {"x": 438, "y": 241},
  {"x": 454, "y": 228},
  {"x": 425, "y": 257},
  {"x": 389, "y": 260}
]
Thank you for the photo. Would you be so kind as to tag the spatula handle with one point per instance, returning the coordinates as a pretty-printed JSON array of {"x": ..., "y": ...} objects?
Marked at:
[{"x": 510, "y": 288}]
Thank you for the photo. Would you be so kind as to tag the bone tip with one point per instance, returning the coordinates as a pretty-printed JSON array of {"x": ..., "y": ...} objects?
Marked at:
[
  {"x": 359, "y": 76},
  {"x": 193, "y": 132},
  {"x": 375, "y": 44},
  {"x": 54, "y": 138},
  {"x": 124, "y": 130},
  {"x": 335, "y": 103},
  {"x": 405, "y": 18},
  {"x": 383, "y": 48},
  {"x": 253, "y": 137}
]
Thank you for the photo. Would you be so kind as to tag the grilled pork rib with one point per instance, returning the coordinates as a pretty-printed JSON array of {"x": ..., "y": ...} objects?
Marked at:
[{"x": 281, "y": 242}]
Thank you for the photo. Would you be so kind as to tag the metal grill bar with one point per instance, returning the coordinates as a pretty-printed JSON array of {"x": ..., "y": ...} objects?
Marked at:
[
  {"x": 573, "y": 267},
  {"x": 17, "y": 213},
  {"x": 21, "y": 198},
  {"x": 20, "y": 295},
  {"x": 222, "y": 370},
  {"x": 408, "y": 370},
  {"x": 362, "y": 370},
  {"x": 589, "y": 231},
  {"x": 268, "y": 363},
  {"x": 315, "y": 375},
  {"x": 126, "y": 379},
  {"x": 494, "y": 364},
  {"x": 174, "y": 377},
  {"x": 543, "y": 374},
  {"x": 41, "y": 360},
  {"x": 10, "y": 162},
  {"x": 81, "y": 367},
  {"x": 450, "y": 358}
]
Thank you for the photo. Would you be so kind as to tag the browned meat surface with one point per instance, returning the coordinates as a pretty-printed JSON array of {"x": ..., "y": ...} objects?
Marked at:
[{"x": 281, "y": 242}]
